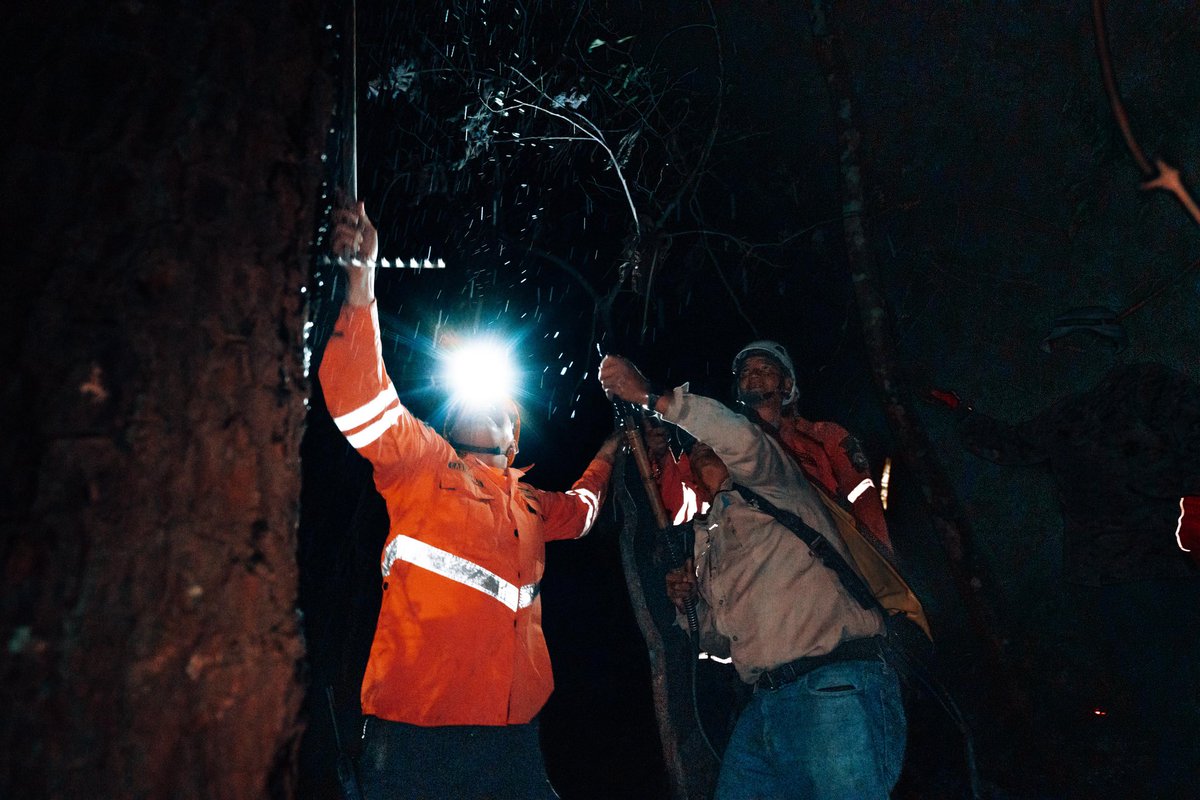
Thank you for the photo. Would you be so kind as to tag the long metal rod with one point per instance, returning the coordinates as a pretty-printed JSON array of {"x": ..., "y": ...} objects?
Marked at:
[
  {"x": 348, "y": 185},
  {"x": 350, "y": 101}
]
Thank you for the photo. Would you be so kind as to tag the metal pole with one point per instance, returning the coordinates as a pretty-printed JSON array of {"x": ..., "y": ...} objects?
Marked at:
[
  {"x": 630, "y": 420},
  {"x": 349, "y": 104}
]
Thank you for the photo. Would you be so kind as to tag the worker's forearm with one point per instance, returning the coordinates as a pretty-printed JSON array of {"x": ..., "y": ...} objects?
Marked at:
[{"x": 361, "y": 290}]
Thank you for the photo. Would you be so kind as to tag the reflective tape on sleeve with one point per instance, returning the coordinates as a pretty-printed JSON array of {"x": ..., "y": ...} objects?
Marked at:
[
  {"x": 376, "y": 429},
  {"x": 592, "y": 502},
  {"x": 865, "y": 484},
  {"x": 1179, "y": 525},
  {"x": 459, "y": 570},
  {"x": 689, "y": 507},
  {"x": 368, "y": 411}
]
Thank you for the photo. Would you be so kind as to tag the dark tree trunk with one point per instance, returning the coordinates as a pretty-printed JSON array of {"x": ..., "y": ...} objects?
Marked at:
[
  {"x": 691, "y": 767},
  {"x": 158, "y": 190},
  {"x": 1009, "y": 702},
  {"x": 915, "y": 446}
]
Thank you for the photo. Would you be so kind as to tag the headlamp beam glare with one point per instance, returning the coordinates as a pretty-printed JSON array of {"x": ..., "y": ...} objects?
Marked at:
[{"x": 479, "y": 373}]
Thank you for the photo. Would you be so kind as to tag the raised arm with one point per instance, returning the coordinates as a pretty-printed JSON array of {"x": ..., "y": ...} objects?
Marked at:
[
  {"x": 356, "y": 241},
  {"x": 571, "y": 514},
  {"x": 358, "y": 391},
  {"x": 751, "y": 456}
]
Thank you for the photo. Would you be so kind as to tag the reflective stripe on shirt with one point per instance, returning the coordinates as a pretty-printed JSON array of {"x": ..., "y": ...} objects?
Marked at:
[
  {"x": 1179, "y": 525},
  {"x": 592, "y": 502},
  {"x": 864, "y": 484},
  {"x": 381, "y": 412},
  {"x": 688, "y": 508},
  {"x": 459, "y": 570}
]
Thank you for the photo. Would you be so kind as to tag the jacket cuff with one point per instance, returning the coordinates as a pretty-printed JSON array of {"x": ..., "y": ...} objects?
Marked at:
[{"x": 674, "y": 403}]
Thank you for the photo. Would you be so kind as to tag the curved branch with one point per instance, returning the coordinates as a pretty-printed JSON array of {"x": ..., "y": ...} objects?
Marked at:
[
  {"x": 595, "y": 134},
  {"x": 1114, "y": 94},
  {"x": 1160, "y": 175}
]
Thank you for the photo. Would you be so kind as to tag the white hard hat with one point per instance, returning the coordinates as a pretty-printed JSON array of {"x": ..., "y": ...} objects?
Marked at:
[{"x": 766, "y": 347}]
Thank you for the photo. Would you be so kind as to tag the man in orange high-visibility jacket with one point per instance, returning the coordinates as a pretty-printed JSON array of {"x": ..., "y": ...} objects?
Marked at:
[
  {"x": 828, "y": 454},
  {"x": 458, "y": 668}
]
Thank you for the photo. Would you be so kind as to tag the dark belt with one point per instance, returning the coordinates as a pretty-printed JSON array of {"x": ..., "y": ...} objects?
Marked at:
[{"x": 853, "y": 650}]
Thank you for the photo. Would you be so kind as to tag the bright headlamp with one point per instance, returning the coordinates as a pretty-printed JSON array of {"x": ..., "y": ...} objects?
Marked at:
[{"x": 479, "y": 373}]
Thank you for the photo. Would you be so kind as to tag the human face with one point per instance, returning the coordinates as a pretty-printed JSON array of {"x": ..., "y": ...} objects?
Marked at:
[
  {"x": 707, "y": 468},
  {"x": 491, "y": 427},
  {"x": 761, "y": 380}
]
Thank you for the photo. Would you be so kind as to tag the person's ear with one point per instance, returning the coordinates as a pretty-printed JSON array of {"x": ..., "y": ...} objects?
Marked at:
[{"x": 788, "y": 383}]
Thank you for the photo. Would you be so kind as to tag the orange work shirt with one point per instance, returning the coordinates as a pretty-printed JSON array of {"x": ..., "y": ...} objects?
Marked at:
[
  {"x": 459, "y": 639},
  {"x": 832, "y": 457}
]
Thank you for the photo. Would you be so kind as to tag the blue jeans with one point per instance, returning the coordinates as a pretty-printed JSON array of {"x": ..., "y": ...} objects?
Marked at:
[{"x": 837, "y": 733}]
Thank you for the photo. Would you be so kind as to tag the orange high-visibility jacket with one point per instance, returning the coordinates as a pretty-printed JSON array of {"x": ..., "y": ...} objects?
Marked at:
[
  {"x": 831, "y": 456},
  {"x": 459, "y": 638}
]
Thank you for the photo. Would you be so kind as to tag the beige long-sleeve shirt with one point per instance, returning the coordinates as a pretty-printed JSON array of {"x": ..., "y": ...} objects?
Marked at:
[{"x": 760, "y": 586}]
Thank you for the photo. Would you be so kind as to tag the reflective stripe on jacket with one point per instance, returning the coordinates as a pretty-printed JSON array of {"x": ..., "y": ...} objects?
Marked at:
[
  {"x": 1187, "y": 530},
  {"x": 459, "y": 638}
]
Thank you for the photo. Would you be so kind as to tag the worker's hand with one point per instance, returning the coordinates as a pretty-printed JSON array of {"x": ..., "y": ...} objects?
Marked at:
[
  {"x": 612, "y": 445},
  {"x": 357, "y": 242},
  {"x": 681, "y": 584},
  {"x": 620, "y": 378}
]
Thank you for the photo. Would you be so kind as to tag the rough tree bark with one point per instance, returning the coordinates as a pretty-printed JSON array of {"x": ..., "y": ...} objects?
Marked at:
[{"x": 158, "y": 190}]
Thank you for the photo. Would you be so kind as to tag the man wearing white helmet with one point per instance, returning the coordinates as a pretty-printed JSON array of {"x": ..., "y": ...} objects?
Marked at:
[
  {"x": 765, "y": 383},
  {"x": 825, "y": 718}
]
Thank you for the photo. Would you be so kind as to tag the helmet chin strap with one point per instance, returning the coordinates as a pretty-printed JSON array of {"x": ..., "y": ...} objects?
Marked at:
[
  {"x": 754, "y": 397},
  {"x": 471, "y": 448},
  {"x": 751, "y": 414}
]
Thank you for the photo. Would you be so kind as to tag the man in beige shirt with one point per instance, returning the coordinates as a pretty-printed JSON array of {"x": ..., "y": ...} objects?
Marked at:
[{"x": 826, "y": 719}]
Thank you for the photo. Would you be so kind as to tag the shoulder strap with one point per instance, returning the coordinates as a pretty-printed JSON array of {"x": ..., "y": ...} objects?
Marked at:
[
  {"x": 832, "y": 497},
  {"x": 821, "y": 547}
]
